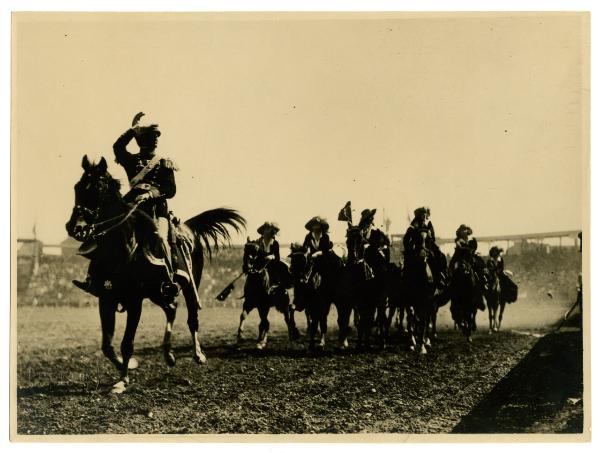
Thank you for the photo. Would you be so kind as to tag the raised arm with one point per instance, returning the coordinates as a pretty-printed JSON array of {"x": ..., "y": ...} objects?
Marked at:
[{"x": 120, "y": 146}]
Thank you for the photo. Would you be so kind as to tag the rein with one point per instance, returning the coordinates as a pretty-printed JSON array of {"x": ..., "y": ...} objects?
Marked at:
[{"x": 123, "y": 218}]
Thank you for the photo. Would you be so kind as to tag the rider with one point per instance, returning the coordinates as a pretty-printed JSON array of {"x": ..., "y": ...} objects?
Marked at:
[
  {"x": 152, "y": 181},
  {"x": 317, "y": 241},
  {"x": 268, "y": 251},
  {"x": 465, "y": 247},
  {"x": 412, "y": 238},
  {"x": 495, "y": 263}
]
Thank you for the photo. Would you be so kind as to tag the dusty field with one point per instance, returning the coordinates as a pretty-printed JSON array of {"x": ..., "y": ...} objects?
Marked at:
[{"x": 63, "y": 380}]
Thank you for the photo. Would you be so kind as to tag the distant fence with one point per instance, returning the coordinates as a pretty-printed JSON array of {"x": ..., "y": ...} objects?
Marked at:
[{"x": 514, "y": 243}]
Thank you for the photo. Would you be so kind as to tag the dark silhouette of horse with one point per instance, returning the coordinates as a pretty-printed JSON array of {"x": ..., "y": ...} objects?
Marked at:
[
  {"x": 466, "y": 291},
  {"x": 398, "y": 306},
  {"x": 316, "y": 280},
  {"x": 356, "y": 291},
  {"x": 419, "y": 288},
  {"x": 266, "y": 287},
  {"x": 115, "y": 237}
]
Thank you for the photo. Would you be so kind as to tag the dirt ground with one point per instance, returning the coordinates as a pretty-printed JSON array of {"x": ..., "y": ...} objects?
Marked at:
[{"x": 64, "y": 381}]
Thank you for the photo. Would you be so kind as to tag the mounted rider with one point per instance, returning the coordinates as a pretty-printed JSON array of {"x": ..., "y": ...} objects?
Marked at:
[
  {"x": 317, "y": 242},
  {"x": 267, "y": 258},
  {"x": 412, "y": 239},
  {"x": 465, "y": 247},
  {"x": 152, "y": 182},
  {"x": 495, "y": 263}
]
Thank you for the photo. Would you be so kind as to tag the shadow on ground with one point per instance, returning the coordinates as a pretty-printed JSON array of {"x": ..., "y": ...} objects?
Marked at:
[{"x": 543, "y": 393}]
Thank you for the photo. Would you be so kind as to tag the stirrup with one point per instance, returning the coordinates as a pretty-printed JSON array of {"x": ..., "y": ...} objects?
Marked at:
[{"x": 169, "y": 289}]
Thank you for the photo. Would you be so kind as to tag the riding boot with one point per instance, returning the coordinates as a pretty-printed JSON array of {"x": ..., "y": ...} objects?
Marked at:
[
  {"x": 169, "y": 288},
  {"x": 93, "y": 283}
]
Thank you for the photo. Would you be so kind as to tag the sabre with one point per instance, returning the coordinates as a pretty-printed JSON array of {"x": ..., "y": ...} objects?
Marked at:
[{"x": 228, "y": 289}]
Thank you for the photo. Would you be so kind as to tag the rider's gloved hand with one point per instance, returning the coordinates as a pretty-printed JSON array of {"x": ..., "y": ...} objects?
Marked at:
[
  {"x": 317, "y": 253},
  {"x": 143, "y": 197}
]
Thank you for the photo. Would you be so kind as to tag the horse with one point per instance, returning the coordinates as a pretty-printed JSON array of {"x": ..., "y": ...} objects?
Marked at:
[
  {"x": 466, "y": 296},
  {"x": 310, "y": 293},
  {"x": 266, "y": 287},
  {"x": 114, "y": 236},
  {"x": 419, "y": 287},
  {"x": 495, "y": 302},
  {"x": 397, "y": 302},
  {"x": 355, "y": 291}
]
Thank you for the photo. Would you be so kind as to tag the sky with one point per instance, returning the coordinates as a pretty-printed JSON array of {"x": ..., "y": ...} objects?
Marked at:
[{"x": 480, "y": 117}]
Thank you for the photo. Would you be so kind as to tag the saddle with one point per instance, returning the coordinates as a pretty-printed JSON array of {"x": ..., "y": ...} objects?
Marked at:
[{"x": 181, "y": 246}]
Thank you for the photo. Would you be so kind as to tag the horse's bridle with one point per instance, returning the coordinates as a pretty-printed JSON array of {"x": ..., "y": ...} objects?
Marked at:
[
  {"x": 308, "y": 267},
  {"x": 89, "y": 230}
]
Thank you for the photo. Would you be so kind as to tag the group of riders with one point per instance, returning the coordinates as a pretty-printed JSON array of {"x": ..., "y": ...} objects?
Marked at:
[{"x": 152, "y": 183}]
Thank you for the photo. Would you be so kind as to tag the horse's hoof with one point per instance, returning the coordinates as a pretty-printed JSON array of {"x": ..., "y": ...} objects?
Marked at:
[
  {"x": 119, "y": 387},
  {"x": 133, "y": 363},
  {"x": 260, "y": 346},
  {"x": 200, "y": 358},
  {"x": 490, "y": 331},
  {"x": 427, "y": 342},
  {"x": 170, "y": 359},
  {"x": 470, "y": 340},
  {"x": 412, "y": 347},
  {"x": 423, "y": 349}
]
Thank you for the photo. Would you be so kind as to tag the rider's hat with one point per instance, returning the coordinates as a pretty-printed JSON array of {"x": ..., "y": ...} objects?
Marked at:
[
  {"x": 422, "y": 210},
  {"x": 367, "y": 216},
  {"x": 464, "y": 229},
  {"x": 496, "y": 251},
  {"x": 317, "y": 221},
  {"x": 268, "y": 225}
]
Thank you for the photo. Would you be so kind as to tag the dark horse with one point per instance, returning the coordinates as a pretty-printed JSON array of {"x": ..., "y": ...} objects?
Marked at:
[
  {"x": 466, "y": 294},
  {"x": 111, "y": 231},
  {"x": 315, "y": 284},
  {"x": 419, "y": 288},
  {"x": 266, "y": 287},
  {"x": 356, "y": 291}
]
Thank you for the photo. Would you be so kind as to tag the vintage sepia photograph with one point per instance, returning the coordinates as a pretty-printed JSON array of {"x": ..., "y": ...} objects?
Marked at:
[{"x": 314, "y": 224}]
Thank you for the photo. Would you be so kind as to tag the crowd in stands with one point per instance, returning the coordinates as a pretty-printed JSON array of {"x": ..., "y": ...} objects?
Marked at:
[{"x": 540, "y": 274}]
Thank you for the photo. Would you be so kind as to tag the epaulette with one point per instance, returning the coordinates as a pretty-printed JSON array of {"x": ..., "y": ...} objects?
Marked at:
[{"x": 168, "y": 163}]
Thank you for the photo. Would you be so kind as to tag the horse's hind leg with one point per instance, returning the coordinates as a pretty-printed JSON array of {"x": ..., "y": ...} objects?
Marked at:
[
  {"x": 134, "y": 312},
  {"x": 107, "y": 322},
  {"x": 491, "y": 316},
  {"x": 193, "y": 323},
  {"x": 170, "y": 312}
]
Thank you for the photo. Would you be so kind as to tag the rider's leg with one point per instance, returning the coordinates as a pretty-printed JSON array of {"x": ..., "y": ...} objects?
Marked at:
[{"x": 93, "y": 283}]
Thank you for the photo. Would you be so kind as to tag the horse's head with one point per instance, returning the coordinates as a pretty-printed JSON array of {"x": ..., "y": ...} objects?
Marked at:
[
  {"x": 354, "y": 239},
  {"x": 96, "y": 190},
  {"x": 299, "y": 260},
  {"x": 250, "y": 254},
  {"x": 423, "y": 249}
]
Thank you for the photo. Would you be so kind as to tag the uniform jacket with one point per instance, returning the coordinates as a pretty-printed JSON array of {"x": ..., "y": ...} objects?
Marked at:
[{"x": 159, "y": 182}]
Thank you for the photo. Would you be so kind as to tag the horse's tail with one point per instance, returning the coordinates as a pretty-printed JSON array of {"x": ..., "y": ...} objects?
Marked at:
[{"x": 212, "y": 227}]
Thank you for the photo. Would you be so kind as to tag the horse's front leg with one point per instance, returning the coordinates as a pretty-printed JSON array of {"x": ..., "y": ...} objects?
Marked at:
[
  {"x": 323, "y": 323},
  {"x": 107, "y": 308},
  {"x": 263, "y": 327},
  {"x": 134, "y": 312},
  {"x": 170, "y": 310},
  {"x": 243, "y": 317},
  {"x": 502, "y": 307},
  {"x": 491, "y": 316},
  {"x": 290, "y": 322}
]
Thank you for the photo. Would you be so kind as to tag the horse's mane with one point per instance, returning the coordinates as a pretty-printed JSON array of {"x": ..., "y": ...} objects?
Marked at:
[{"x": 211, "y": 227}]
